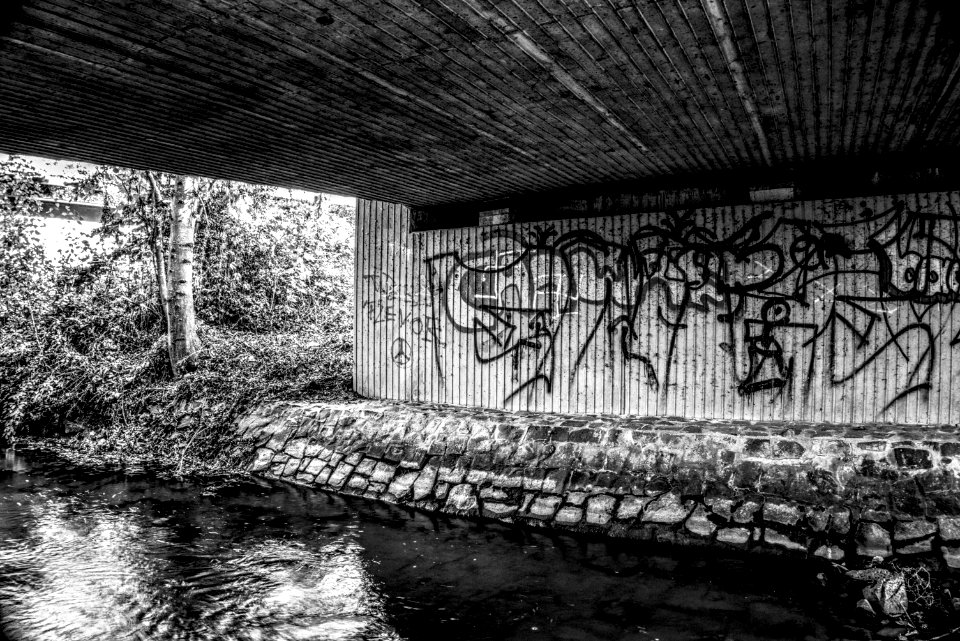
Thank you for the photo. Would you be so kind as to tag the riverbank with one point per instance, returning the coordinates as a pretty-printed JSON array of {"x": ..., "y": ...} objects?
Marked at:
[
  {"x": 917, "y": 595},
  {"x": 127, "y": 552},
  {"x": 875, "y": 506},
  {"x": 832, "y": 491},
  {"x": 257, "y": 399},
  {"x": 122, "y": 407}
]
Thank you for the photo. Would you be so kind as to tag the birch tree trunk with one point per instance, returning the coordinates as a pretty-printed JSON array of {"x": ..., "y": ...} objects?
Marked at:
[
  {"x": 184, "y": 343},
  {"x": 155, "y": 223}
]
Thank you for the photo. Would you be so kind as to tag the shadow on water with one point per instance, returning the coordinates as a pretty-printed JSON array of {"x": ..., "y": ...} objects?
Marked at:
[{"x": 109, "y": 553}]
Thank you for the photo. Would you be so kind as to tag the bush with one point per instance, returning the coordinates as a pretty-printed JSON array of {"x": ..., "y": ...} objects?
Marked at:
[
  {"x": 288, "y": 265},
  {"x": 82, "y": 341}
]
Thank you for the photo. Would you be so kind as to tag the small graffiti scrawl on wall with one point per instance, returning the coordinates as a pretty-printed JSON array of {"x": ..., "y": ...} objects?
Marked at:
[{"x": 833, "y": 311}]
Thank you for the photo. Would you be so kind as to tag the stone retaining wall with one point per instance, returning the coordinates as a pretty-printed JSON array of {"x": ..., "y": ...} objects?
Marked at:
[{"x": 827, "y": 490}]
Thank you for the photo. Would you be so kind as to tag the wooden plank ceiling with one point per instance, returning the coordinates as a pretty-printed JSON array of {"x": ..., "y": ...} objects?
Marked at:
[{"x": 439, "y": 101}]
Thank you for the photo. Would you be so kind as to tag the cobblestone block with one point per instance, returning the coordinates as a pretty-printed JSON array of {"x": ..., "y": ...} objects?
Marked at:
[
  {"x": 383, "y": 472},
  {"x": 449, "y": 472},
  {"x": 555, "y": 481},
  {"x": 839, "y": 520},
  {"x": 402, "y": 484},
  {"x": 734, "y": 536},
  {"x": 911, "y": 458},
  {"x": 316, "y": 450},
  {"x": 783, "y": 449},
  {"x": 296, "y": 448},
  {"x": 414, "y": 458},
  {"x": 323, "y": 476},
  {"x": 917, "y": 547},
  {"x": 476, "y": 477},
  {"x": 665, "y": 509},
  {"x": 781, "y": 540},
  {"x": 313, "y": 467},
  {"x": 365, "y": 467},
  {"x": 781, "y": 512},
  {"x": 357, "y": 483},
  {"x": 627, "y": 483},
  {"x": 759, "y": 447},
  {"x": 949, "y": 528},
  {"x": 906, "y": 530},
  {"x": 544, "y": 507},
  {"x": 873, "y": 540},
  {"x": 699, "y": 523},
  {"x": 493, "y": 493},
  {"x": 340, "y": 474},
  {"x": 462, "y": 499},
  {"x": 510, "y": 478},
  {"x": 721, "y": 506},
  {"x": 533, "y": 479},
  {"x": 569, "y": 515},
  {"x": 876, "y": 515},
  {"x": 290, "y": 468},
  {"x": 600, "y": 509},
  {"x": 829, "y": 552},
  {"x": 631, "y": 506},
  {"x": 277, "y": 442},
  {"x": 495, "y": 510},
  {"x": 423, "y": 486},
  {"x": 745, "y": 511},
  {"x": 262, "y": 460}
]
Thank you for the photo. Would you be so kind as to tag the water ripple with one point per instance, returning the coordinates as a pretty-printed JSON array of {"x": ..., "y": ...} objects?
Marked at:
[{"x": 91, "y": 553}]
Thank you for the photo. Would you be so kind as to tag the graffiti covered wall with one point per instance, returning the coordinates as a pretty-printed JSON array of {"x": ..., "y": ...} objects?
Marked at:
[{"x": 837, "y": 311}]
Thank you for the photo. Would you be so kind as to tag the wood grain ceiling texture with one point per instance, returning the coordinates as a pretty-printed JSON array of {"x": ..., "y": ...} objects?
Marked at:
[{"x": 438, "y": 101}]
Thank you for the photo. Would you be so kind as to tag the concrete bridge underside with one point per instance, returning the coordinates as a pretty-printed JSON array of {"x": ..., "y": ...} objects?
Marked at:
[{"x": 429, "y": 102}]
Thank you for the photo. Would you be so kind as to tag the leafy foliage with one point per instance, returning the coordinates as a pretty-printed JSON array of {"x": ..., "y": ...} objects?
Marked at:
[
  {"x": 21, "y": 256},
  {"x": 80, "y": 333},
  {"x": 278, "y": 269}
]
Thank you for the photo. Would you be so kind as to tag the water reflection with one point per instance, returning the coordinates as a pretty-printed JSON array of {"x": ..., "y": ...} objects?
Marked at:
[
  {"x": 119, "y": 557},
  {"x": 99, "y": 553}
]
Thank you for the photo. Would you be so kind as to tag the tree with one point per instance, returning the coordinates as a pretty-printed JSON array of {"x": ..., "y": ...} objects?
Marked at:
[
  {"x": 182, "y": 328},
  {"x": 174, "y": 269},
  {"x": 162, "y": 211},
  {"x": 233, "y": 255},
  {"x": 92, "y": 334}
]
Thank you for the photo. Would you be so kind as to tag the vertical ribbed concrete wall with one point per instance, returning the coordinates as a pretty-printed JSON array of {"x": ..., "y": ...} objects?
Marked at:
[{"x": 827, "y": 311}]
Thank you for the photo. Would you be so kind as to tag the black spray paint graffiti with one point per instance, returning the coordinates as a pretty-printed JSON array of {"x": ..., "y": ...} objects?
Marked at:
[
  {"x": 769, "y": 369},
  {"x": 400, "y": 351},
  {"x": 392, "y": 304},
  {"x": 855, "y": 291}
]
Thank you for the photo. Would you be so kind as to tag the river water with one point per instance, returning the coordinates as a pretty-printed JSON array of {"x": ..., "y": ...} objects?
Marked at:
[{"x": 101, "y": 552}]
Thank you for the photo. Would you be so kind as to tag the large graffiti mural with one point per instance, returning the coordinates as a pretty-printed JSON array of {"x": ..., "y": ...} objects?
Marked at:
[{"x": 783, "y": 308}]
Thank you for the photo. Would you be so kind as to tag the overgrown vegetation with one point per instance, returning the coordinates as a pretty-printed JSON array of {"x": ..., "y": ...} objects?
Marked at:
[
  {"x": 907, "y": 597},
  {"x": 82, "y": 335}
]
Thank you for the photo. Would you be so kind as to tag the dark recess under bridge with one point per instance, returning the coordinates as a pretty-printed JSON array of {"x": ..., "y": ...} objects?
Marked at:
[{"x": 435, "y": 102}]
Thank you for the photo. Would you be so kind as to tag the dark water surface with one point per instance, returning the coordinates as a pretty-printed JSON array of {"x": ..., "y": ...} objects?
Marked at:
[{"x": 107, "y": 553}]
